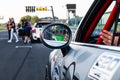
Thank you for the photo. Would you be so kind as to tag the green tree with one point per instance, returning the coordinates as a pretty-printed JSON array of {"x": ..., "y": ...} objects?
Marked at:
[
  {"x": 34, "y": 19},
  {"x": 31, "y": 19},
  {"x": 27, "y": 17}
]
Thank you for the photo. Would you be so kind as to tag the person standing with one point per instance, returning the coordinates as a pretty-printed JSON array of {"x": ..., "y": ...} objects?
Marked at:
[
  {"x": 27, "y": 33},
  {"x": 9, "y": 28},
  {"x": 13, "y": 31}
]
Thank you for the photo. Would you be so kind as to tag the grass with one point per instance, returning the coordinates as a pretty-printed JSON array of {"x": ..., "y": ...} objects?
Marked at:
[{"x": 3, "y": 26}]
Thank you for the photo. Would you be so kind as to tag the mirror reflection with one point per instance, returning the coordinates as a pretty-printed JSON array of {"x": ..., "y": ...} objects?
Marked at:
[{"x": 56, "y": 35}]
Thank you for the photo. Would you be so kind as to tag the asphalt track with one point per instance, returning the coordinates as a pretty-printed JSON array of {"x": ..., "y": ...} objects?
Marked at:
[{"x": 19, "y": 61}]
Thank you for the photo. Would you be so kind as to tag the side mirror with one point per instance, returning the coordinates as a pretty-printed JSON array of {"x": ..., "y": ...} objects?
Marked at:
[{"x": 56, "y": 35}]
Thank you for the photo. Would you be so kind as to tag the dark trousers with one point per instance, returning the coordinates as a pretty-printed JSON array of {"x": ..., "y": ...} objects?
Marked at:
[{"x": 9, "y": 32}]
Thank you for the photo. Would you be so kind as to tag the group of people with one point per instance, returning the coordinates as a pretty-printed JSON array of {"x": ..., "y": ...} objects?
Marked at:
[
  {"x": 11, "y": 26},
  {"x": 12, "y": 30}
]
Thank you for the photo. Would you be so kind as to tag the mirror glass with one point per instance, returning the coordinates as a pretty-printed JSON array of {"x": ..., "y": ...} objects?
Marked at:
[{"x": 56, "y": 35}]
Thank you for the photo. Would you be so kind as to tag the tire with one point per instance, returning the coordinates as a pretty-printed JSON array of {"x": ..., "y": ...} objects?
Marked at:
[
  {"x": 32, "y": 40},
  {"x": 47, "y": 72},
  {"x": 38, "y": 40}
]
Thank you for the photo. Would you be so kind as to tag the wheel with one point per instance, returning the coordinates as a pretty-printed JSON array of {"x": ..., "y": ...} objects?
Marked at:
[
  {"x": 32, "y": 40},
  {"x": 47, "y": 72},
  {"x": 38, "y": 40}
]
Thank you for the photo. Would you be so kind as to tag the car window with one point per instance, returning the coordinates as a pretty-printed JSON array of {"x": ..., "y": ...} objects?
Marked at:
[
  {"x": 40, "y": 25},
  {"x": 45, "y": 23},
  {"x": 102, "y": 22}
]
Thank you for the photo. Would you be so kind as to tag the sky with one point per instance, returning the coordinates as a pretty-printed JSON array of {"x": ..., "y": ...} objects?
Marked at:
[{"x": 16, "y": 8}]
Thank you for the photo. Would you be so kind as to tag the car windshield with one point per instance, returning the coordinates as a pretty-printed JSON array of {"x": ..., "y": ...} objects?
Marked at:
[
  {"x": 40, "y": 25},
  {"x": 99, "y": 24},
  {"x": 103, "y": 22}
]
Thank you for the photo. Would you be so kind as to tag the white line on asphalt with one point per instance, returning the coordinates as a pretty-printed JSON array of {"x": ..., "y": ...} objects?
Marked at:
[
  {"x": 6, "y": 38},
  {"x": 23, "y": 47},
  {"x": 3, "y": 38}
]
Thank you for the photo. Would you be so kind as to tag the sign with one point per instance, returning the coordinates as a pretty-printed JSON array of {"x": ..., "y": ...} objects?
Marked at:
[
  {"x": 41, "y": 9},
  {"x": 30, "y": 8},
  {"x": 71, "y": 6}
]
